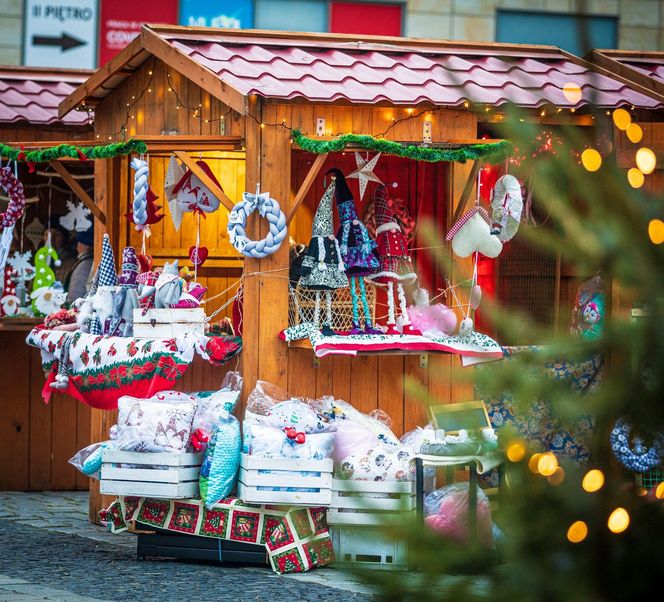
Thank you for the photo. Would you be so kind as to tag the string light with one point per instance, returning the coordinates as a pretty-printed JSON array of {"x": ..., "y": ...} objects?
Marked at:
[
  {"x": 634, "y": 132},
  {"x": 618, "y": 520},
  {"x": 577, "y": 532},
  {"x": 593, "y": 480},
  {"x": 622, "y": 119},
  {"x": 656, "y": 231},
  {"x": 547, "y": 464},
  {"x": 659, "y": 491},
  {"x": 646, "y": 160},
  {"x": 591, "y": 159},
  {"x": 516, "y": 451},
  {"x": 635, "y": 177}
]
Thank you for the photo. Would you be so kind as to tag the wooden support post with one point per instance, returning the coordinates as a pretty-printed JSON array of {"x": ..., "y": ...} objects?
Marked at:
[
  {"x": 465, "y": 195},
  {"x": 203, "y": 177},
  {"x": 78, "y": 190},
  {"x": 306, "y": 185}
]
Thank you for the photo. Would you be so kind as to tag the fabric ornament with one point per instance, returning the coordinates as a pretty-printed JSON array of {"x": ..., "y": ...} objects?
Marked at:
[
  {"x": 198, "y": 255},
  {"x": 475, "y": 296},
  {"x": 23, "y": 270},
  {"x": 125, "y": 299},
  {"x": 34, "y": 231},
  {"x": 77, "y": 217},
  {"x": 14, "y": 189},
  {"x": 364, "y": 172},
  {"x": 47, "y": 300},
  {"x": 638, "y": 458},
  {"x": 431, "y": 320},
  {"x": 188, "y": 193},
  {"x": 141, "y": 187},
  {"x": 268, "y": 209},
  {"x": 507, "y": 205},
  {"x": 44, "y": 279},
  {"x": 472, "y": 234}
]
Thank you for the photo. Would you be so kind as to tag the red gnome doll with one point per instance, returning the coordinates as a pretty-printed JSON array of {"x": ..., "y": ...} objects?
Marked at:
[{"x": 396, "y": 266}]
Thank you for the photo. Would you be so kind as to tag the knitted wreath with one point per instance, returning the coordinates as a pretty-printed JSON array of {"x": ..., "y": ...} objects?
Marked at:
[
  {"x": 14, "y": 189},
  {"x": 638, "y": 459},
  {"x": 237, "y": 223}
]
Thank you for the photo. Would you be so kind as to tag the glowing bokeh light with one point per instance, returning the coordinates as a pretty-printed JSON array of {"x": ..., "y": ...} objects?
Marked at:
[
  {"x": 516, "y": 451},
  {"x": 591, "y": 159},
  {"x": 659, "y": 491},
  {"x": 635, "y": 177},
  {"x": 572, "y": 92},
  {"x": 618, "y": 520},
  {"x": 646, "y": 160},
  {"x": 557, "y": 477},
  {"x": 547, "y": 464},
  {"x": 634, "y": 132},
  {"x": 532, "y": 463},
  {"x": 593, "y": 480},
  {"x": 622, "y": 119},
  {"x": 577, "y": 531}
]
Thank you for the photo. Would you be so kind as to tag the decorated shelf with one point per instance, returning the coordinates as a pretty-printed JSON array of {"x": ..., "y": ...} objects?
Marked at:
[{"x": 474, "y": 345}]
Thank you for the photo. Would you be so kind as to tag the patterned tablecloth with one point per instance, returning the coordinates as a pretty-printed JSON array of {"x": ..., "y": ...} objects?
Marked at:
[{"x": 296, "y": 539}]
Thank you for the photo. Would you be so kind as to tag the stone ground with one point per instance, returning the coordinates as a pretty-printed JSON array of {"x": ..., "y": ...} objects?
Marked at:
[{"x": 50, "y": 551}]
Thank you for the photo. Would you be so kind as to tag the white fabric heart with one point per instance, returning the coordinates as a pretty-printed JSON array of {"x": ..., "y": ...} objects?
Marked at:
[{"x": 473, "y": 233}]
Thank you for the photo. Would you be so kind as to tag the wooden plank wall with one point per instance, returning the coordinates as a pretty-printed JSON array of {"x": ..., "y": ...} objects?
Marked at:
[
  {"x": 36, "y": 440},
  {"x": 369, "y": 383}
]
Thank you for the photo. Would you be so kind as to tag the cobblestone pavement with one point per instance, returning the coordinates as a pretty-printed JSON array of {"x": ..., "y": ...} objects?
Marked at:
[{"x": 49, "y": 551}]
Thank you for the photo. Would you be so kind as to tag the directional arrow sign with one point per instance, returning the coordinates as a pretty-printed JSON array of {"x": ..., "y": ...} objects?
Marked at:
[
  {"x": 65, "y": 41},
  {"x": 60, "y": 33}
]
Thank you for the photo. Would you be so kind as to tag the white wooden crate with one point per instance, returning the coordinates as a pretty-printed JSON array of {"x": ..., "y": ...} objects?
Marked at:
[
  {"x": 166, "y": 323},
  {"x": 285, "y": 481},
  {"x": 367, "y": 548},
  {"x": 369, "y": 502},
  {"x": 160, "y": 475}
]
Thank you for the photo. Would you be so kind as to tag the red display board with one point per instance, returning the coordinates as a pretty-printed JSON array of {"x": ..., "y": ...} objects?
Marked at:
[
  {"x": 121, "y": 21},
  {"x": 371, "y": 18}
]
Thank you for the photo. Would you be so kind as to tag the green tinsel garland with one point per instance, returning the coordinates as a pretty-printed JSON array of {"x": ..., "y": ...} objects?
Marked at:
[
  {"x": 72, "y": 151},
  {"x": 489, "y": 151}
]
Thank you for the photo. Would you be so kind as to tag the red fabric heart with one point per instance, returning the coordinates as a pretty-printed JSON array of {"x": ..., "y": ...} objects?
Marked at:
[
  {"x": 145, "y": 263},
  {"x": 199, "y": 256}
]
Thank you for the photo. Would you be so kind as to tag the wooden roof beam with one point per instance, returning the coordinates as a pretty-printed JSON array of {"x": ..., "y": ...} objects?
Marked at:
[
  {"x": 306, "y": 186},
  {"x": 203, "y": 177},
  {"x": 202, "y": 77},
  {"x": 616, "y": 67},
  {"x": 78, "y": 190}
]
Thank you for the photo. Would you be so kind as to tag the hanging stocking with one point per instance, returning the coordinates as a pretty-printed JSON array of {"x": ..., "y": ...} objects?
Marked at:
[{"x": 327, "y": 326}]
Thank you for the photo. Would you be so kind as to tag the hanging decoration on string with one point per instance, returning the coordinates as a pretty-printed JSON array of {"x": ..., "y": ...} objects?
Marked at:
[
  {"x": 472, "y": 234},
  {"x": 34, "y": 231},
  {"x": 507, "y": 205},
  {"x": 365, "y": 172},
  {"x": 638, "y": 458},
  {"x": 141, "y": 187},
  {"x": 69, "y": 151},
  {"x": 491, "y": 152},
  {"x": 77, "y": 217},
  {"x": 186, "y": 193},
  {"x": 270, "y": 210},
  {"x": 14, "y": 189},
  {"x": 24, "y": 271},
  {"x": 198, "y": 255}
]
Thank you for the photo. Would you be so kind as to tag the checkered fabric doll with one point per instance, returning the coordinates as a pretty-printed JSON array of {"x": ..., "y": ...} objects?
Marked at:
[{"x": 396, "y": 267}]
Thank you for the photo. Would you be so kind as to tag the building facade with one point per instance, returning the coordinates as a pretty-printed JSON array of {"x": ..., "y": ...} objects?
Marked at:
[{"x": 575, "y": 25}]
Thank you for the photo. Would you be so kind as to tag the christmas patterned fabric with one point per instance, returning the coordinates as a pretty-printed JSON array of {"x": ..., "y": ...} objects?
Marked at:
[
  {"x": 296, "y": 541},
  {"x": 395, "y": 261},
  {"x": 98, "y": 370},
  {"x": 322, "y": 266}
]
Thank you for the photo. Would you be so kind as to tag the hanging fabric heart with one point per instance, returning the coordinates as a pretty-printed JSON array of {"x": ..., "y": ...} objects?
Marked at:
[
  {"x": 198, "y": 256},
  {"x": 145, "y": 263}
]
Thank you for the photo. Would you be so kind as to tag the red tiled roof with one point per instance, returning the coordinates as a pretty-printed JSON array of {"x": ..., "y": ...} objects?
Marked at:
[
  {"x": 643, "y": 68},
  {"x": 400, "y": 73},
  {"x": 33, "y": 95}
]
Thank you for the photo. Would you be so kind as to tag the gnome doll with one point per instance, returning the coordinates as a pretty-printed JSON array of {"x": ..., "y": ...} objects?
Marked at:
[
  {"x": 396, "y": 267},
  {"x": 358, "y": 251},
  {"x": 322, "y": 267},
  {"x": 107, "y": 285},
  {"x": 125, "y": 300}
]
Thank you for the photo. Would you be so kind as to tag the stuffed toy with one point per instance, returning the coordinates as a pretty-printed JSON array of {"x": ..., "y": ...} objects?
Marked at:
[
  {"x": 107, "y": 284},
  {"x": 44, "y": 275},
  {"x": 126, "y": 297},
  {"x": 9, "y": 305},
  {"x": 168, "y": 287},
  {"x": 472, "y": 234},
  {"x": 432, "y": 320},
  {"x": 48, "y": 299}
]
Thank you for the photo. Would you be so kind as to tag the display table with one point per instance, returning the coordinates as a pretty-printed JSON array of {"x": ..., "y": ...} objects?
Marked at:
[{"x": 476, "y": 465}]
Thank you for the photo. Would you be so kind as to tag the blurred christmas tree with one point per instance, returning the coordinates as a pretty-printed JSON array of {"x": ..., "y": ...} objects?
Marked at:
[{"x": 571, "y": 530}]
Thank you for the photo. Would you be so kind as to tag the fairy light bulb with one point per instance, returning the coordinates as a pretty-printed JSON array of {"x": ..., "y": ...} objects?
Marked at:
[
  {"x": 635, "y": 177},
  {"x": 547, "y": 464},
  {"x": 646, "y": 160},
  {"x": 593, "y": 480},
  {"x": 618, "y": 520},
  {"x": 622, "y": 119},
  {"x": 572, "y": 93},
  {"x": 634, "y": 132},
  {"x": 577, "y": 532},
  {"x": 656, "y": 231},
  {"x": 591, "y": 159},
  {"x": 516, "y": 451}
]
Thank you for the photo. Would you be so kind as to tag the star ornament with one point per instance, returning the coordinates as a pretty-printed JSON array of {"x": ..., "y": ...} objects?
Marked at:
[{"x": 364, "y": 172}]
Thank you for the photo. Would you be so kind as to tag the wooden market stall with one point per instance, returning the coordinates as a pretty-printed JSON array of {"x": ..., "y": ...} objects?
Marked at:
[
  {"x": 234, "y": 99},
  {"x": 36, "y": 440}
]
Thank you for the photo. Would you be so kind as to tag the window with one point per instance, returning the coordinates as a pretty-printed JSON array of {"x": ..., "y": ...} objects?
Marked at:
[
  {"x": 294, "y": 15},
  {"x": 562, "y": 30},
  {"x": 370, "y": 18}
]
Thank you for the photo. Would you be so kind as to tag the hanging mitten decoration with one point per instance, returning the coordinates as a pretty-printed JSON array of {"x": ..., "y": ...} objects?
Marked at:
[
  {"x": 472, "y": 234},
  {"x": 507, "y": 205},
  {"x": 77, "y": 217}
]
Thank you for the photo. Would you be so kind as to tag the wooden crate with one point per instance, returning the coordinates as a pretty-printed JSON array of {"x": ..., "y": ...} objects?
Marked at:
[
  {"x": 367, "y": 548},
  {"x": 369, "y": 502},
  {"x": 285, "y": 481},
  {"x": 162, "y": 323},
  {"x": 160, "y": 475}
]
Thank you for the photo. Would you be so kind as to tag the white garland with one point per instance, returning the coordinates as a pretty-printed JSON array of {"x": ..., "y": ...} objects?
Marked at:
[{"x": 237, "y": 223}]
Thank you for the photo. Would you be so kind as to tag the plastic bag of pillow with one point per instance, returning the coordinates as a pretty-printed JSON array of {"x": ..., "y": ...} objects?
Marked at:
[{"x": 221, "y": 461}]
